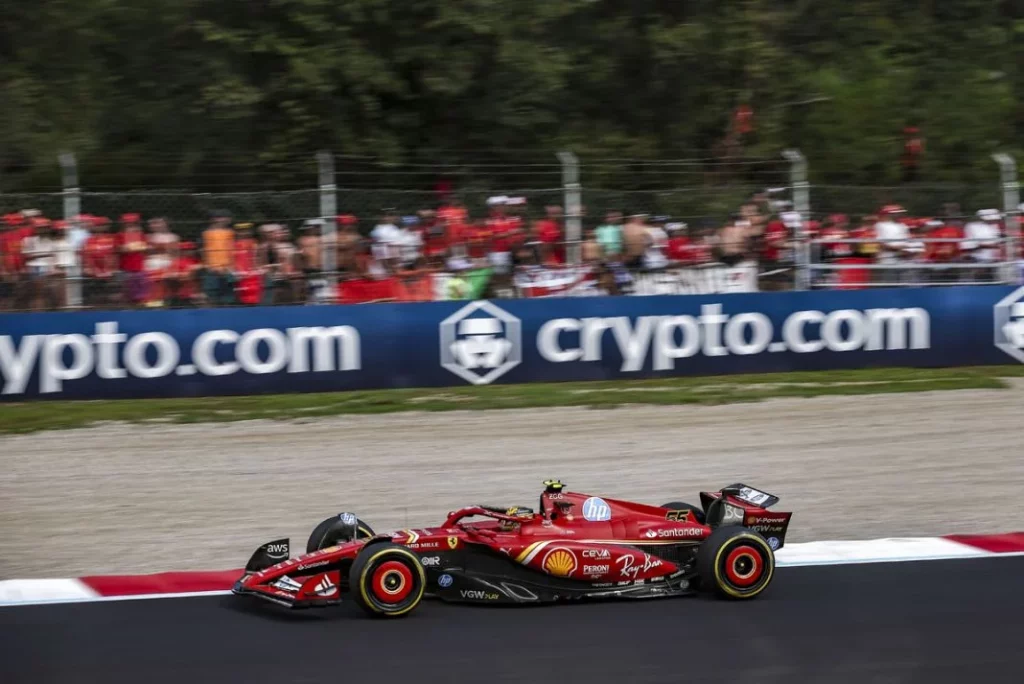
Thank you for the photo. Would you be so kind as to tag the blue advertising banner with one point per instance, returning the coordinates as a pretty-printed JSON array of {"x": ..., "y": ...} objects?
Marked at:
[{"x": 205, "y": 352}]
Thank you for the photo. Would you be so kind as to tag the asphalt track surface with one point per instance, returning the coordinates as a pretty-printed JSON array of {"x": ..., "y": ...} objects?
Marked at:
[{"x": 935, "y": 621}]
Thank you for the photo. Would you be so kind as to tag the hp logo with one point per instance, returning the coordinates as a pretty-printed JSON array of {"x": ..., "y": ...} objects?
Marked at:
[{"x": 595, "y": 509}]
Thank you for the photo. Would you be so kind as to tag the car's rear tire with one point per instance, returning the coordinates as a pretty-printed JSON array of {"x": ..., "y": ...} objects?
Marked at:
[
  {"x": 387, "y": 580},
  {"x": 698, "y": 514},
  {"x": 735, "y": 562},
  {"x": 334, "y": 530}
]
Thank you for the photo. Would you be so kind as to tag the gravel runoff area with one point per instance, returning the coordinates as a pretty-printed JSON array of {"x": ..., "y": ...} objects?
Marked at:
[{"x": 146, "y": 498}]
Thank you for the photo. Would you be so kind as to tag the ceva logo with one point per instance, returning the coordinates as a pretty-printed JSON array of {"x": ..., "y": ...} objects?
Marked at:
[
  {"x": 1009, "y": 324},
  {"x": 481, "y": 342}
]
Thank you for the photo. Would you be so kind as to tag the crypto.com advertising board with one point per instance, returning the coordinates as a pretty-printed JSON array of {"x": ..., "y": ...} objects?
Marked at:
[{"x": 203, "y": 352}]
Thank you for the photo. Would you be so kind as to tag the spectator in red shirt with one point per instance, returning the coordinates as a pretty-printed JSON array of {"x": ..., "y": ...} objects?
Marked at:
[
  {"x": 833, "y": 232},
  {"x": 433, "y": 232},
  {"x": 550, "y": 233},
  {"x": 679, "y": 250},
  {"x": 99, "y": 263},
  {"x": 131, "y": 244},
  {"x": 183, "y": 276},
  {"x": 505, "y": 234},
  {"x": 11, "y": 262},
  {"x": 943, "y": 253},
  {"x": 453, "y": 213},
  {"x": 248, "y": 275}
]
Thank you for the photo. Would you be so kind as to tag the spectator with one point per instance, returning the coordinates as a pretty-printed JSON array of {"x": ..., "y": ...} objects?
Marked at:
[
  {"x": 99, "y": 264},
  {"x": 505, "y": 232},
  {"x": 457, "y": 236},
  {"x": 433, "y": 233},
  {"x": 834, "y": 232},
  {"x": 981, "y": 243},
  {"x": 775, "y": 250},
  {"x": 131, "y": 245},
  {"x": 656, "y": 242},
  {"x": 43, "y": 250},
  {"x": 245, "y": 268},
  {"x": 734, "y": 241},
  {"x": 867, "y": 246},
  {"x": 347, "y": 244},
  {"x": 386, "y": 232},
  {"x": 477, "y": 241},
  {"x": 160, "y": 260},
  {"x": 894, "y": 243},
  {"x": 386, "y": 236},
  {"x": 943, "y": 253},
  {"x": 609, "y": 235},
  {"x": 679, "y": 250},
  {"x": 549, "y": 232},
  {"x": 160, "y": 235},
  {"x": 310, "y": 254},
  {"x": 77, "y": 234},
  {"x": 218, "y": 254},
  {"x": 634, "y": 240},
  {"x": 11, "y": 261},
  {"x": 591, "y": 253},
  {"x": 291, "y": 288},
  {"x": 453, "y": 213},
  {"x": 182, "y": 277},
  {"x": 409, "y": 242}
]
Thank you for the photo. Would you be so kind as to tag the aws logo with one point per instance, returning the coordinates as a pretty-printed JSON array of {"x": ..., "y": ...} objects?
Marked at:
[{"x": 559, "y": 562}]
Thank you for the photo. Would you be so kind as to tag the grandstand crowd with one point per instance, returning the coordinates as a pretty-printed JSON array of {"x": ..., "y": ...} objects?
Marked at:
[{"x": 439, "y": 253}]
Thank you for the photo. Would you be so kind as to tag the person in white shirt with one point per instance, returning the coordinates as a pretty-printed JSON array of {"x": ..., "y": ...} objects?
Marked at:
[
  {"x": 409, "y": 241},
  {"x": 386, "y": 238},
  {"x": 48, "y": 256},
  {"x": 894, "y": 241},
  {"x": 387, "y": 230},
  {"x": 981, "y": 242},
  {"x": 656, "y": 244}
]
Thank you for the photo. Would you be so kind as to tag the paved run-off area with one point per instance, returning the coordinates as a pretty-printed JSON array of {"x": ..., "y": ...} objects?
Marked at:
[{"x": 149, "y": 497}]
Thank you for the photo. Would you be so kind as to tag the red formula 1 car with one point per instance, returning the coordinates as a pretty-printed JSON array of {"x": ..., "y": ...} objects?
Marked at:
[{"x": 576, "y": 546}]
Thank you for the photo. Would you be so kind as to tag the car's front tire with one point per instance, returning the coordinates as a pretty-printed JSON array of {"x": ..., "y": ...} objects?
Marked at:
[
  {"x": 387, "y": 580},
  {"x": 735, "y": 562}
]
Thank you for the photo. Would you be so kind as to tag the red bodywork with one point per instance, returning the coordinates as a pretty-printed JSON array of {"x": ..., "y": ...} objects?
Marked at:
[{"x": 598, "y": 545}]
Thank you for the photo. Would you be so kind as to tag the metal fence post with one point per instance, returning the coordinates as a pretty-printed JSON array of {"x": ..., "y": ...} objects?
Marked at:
[
  {"x": 1011, "y": 209},
  {"x": 328, "y": 213},
  {"x": 72, "y": 208},
  {"x": 802, "y": 205},
  {"x": 573, "y": 205}
]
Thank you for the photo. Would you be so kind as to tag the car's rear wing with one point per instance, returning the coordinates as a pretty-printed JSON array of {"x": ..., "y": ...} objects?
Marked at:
[
  {"x": 749, "y": 495},
  {"x": 740, "y": 504}
]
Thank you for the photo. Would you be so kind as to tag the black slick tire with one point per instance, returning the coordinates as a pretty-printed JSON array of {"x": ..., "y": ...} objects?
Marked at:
[
  {"x": 387, "y": 580},
  {"x": 331, "y": 532},
  {"x": 735, "y": 562}
]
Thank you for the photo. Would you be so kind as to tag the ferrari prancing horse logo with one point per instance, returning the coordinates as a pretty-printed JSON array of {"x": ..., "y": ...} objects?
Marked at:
[{"x": 453, "y": 542}]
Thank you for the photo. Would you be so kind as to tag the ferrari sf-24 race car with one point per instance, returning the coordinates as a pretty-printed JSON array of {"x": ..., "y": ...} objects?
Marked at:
[{"x": 575, "y": 546}]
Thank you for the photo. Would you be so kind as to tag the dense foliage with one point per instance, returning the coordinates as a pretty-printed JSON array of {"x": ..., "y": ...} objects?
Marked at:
[{"x": 203, "y": 94}]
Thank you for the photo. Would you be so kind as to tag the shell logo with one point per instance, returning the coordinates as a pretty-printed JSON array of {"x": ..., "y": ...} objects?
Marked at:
[{"x": 559, "y": 562}]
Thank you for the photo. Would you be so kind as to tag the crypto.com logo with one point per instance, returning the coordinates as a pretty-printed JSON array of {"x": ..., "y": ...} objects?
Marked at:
[
  {"x": 1009, "y": 324},
  {"x": 481, "y": 348}
]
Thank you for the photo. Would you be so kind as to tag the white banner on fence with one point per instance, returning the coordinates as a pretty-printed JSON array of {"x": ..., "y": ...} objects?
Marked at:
[
  {"x": 711, "y": 279},
  {"x": 568, "y": 281}
]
